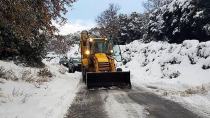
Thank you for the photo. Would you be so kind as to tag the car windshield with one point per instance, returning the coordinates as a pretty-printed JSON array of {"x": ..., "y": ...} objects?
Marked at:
[{"x": 76, "y": 60}]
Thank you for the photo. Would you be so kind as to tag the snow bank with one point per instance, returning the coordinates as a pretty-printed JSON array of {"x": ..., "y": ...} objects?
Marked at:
[
  {"x": 49, "y": 99},
  {"x": 174, "y": 66},
  {"x": 74, "y": 51},
  {"x": 179, "y": 72}
]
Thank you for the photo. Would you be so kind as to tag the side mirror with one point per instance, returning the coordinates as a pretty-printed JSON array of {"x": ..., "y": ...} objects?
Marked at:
[{"x": 124, "y": 61}]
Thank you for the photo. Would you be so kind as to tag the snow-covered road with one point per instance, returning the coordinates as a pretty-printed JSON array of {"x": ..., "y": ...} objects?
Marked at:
[
  {"x": 124, "y": 103},
  {"x": 175, "y": 72}
]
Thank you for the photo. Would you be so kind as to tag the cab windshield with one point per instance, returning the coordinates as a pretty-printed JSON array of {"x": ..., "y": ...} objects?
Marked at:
[{"x": 101, "y": 47}]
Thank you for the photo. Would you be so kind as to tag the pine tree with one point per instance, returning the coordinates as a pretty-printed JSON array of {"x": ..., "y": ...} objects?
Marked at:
[
  {"x": 108, "y": 21},
  {"x": 180, "y": 20}
]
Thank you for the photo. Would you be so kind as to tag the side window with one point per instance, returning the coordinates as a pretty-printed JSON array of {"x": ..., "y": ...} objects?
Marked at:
[
  {"x": 116, "y": 50},
  {"x": 117, "y": 53}
]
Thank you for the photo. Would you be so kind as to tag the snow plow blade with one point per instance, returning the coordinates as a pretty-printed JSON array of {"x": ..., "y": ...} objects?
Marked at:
[{"x": 108, "y": 79}]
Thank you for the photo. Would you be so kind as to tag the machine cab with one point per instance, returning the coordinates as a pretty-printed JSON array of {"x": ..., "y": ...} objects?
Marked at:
[{"x": 106, "y": 46}]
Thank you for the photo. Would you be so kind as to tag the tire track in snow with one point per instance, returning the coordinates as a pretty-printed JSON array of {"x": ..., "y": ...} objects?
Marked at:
[
  {"x": 124, "y": 103},
  {"x": 119, "y": 105},
  {"x": 159, "y": 107},
  {"x": 87, "y": 104},
  {"x": 104, "y": 104}
]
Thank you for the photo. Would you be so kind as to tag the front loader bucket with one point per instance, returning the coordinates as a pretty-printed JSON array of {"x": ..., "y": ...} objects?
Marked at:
[{"x": 108, "y": 79}]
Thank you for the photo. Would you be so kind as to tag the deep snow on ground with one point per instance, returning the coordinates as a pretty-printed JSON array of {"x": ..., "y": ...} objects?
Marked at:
[
  {"x": 178, "y": 71},
  {"x": 26, "y": 95},
  {"x": 37, "y": 99}
]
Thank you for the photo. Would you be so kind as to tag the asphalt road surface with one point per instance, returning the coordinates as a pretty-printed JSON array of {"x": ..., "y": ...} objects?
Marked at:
[{"x": 124, "y": 103}]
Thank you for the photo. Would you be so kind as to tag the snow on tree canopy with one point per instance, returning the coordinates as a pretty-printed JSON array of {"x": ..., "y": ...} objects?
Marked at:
[{"x": 181, "y": 20}]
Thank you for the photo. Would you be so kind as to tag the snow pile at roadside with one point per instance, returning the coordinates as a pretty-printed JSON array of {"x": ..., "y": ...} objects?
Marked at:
[
  {"x": 175, "y": 66},
  {"x": 49, "y": 98},
  {"x": 178, "y": 71},
  {"x": 74, "y": 51}
]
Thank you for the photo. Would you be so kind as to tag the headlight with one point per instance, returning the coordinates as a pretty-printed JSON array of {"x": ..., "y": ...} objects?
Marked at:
[
  {"x": 106, "y": 39},
  {"x": 111, "y": 51},
  {"x": 87, "y": 52},
  {"x": 91, "y": 39}
]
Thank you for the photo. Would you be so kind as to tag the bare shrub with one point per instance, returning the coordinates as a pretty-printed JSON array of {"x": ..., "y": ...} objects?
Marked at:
[
  {"x": 206, "y": 64},
  {"x": 7, "y": 74},
  {"x": 145, "y": 62},
  {"x": 2, "y": 71},
  {"x": 174, "y": 60},
  {"x": 192, "y": 59},
  {"x": 171, "y": 75},
  {"x": 62, "y": 70},
  {"x": 10, "y": 75},
  {"x": 169, "y": 72},
  {"x": 27, "y": 76},
  {"x": 45, "y": 73},
  {"x": 190, "y": 91},
  {"x": 174, "y": 74},
  {"x": 165, "y": 93},
  {"x": 203, "y": 50},
  {"x": 205, "y": 67},
  {"x": 42, "y": 79},
  {"x": 196, "y": 90}
]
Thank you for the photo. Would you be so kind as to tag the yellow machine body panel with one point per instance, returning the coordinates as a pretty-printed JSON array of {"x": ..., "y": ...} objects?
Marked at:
[{"x": 101, "y": 57}]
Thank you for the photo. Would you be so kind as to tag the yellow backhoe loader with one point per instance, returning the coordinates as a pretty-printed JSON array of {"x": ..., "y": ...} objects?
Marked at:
[{"x": 99, "y": 56}]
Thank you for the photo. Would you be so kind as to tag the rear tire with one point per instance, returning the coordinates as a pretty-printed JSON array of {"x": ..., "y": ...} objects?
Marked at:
[
  {"x": 83, "y": 75},
  {"x": 71, "y": 70},
  {"x": 119, "y": 69}
]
